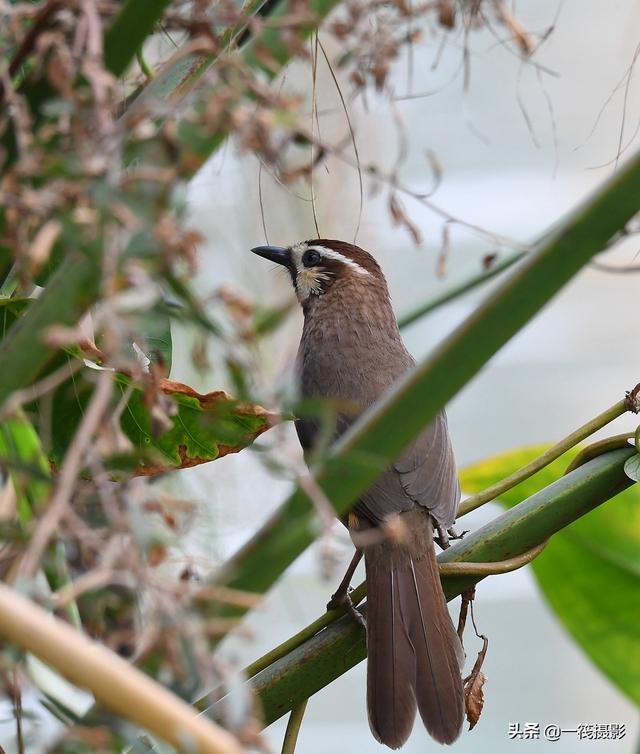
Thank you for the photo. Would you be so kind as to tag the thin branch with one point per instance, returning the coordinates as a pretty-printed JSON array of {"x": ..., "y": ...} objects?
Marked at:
[
  {"x": 353, "y": 138},
  {"x": 293, "y": 728},
  {"x": 491, "y": 569},
  {"x": 577, "y": 436},
  {"x": 457, "y": 289},
  {"x": 68, "y": 475}
]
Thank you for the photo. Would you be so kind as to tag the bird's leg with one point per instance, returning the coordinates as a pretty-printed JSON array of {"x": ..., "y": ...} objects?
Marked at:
[
  {"x": 445, "y": 535},
  {"x": 342, "y": 597},
  {"x": 453, "y": 534}
]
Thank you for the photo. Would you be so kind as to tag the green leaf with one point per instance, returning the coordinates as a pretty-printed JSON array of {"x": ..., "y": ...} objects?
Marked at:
[
  {"x": 70, "y": 291},
  {"x": 22, "y": 455},
  {"x": 632, "y": 468},
  {"x": 169, "y": 425},
  {"x": 589, "y": 571},
  {"x": 133, "y": 24}
]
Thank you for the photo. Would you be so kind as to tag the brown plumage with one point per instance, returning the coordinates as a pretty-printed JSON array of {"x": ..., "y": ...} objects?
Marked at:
[{"x": 351, "y": 351}]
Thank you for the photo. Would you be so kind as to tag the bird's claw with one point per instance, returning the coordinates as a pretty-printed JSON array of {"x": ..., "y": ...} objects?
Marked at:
[
  {"x": 445, "y": 535},
  {"x": 343, "y": 600}
]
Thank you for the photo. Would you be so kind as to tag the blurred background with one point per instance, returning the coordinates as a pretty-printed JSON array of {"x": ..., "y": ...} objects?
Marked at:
[
  {"x": 503, "y": 148},
  {"x": 519, "y": 145}
]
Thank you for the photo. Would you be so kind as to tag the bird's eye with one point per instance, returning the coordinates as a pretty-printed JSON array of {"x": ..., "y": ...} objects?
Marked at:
[{"x": 311, "y": 257}]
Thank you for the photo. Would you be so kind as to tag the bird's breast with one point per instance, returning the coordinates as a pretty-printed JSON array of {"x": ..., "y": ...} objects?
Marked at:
[{"x": 354, "y": 364}]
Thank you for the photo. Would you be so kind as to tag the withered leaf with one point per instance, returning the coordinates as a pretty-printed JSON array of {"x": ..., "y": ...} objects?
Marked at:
[
  {"x": 474, "y": 697},
  {"x": 198, "y": 428},
  {"x": 400, "y": 217}
]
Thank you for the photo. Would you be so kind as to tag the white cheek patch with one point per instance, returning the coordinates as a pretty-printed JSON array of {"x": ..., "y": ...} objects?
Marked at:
[{"x": 309, "y": 279}]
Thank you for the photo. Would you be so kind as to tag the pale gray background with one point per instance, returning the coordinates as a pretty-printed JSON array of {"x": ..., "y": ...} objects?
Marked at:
[{"x": 577, "y": 357}]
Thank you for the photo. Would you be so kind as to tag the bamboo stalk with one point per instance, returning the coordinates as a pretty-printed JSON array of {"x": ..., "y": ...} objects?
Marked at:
[{"x": 116, "y": 684}]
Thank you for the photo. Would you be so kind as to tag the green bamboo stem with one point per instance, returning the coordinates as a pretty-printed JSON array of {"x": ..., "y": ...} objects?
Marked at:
[
  {"x": 550, "y": 455},
  {"x": 315, "y": 663},
  {"x": 459, "y": 288},
  {"x": 360, "y": 592},
  {"x": 357, "y": 595}
]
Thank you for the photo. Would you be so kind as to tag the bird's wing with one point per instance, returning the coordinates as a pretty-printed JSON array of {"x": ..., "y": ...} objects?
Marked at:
[{"x": 427, "y": 472}]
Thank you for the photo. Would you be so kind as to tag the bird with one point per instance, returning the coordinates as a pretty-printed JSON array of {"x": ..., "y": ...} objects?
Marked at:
[{"x": 350, "y": 353}]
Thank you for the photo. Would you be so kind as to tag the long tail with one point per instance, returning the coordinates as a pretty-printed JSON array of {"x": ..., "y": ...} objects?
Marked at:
[{"x": 414, "y": 655}]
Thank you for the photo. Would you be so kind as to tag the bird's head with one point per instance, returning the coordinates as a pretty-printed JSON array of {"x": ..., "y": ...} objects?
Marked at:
[{"x": 316, "y": 266}]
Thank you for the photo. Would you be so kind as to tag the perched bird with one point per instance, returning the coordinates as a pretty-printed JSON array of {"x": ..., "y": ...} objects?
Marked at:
[{"x": 351, "y": 352}]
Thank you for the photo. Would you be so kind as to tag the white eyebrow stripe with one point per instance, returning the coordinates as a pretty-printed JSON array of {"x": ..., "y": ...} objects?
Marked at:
[{"x": 331, "y": 254}]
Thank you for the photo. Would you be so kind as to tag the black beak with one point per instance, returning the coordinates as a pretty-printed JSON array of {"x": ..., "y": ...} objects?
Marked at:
[{"x": 274, "y": 254}]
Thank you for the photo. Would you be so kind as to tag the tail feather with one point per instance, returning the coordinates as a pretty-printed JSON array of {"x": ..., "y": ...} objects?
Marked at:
[
  {"x": 439, "y": 656},
  {"x": 391, "y": 659},
  {"x": 414, "y": 654}
]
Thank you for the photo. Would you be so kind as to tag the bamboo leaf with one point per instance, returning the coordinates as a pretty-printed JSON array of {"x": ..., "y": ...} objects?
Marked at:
[
  {"x": 590, "y": 571},
  {"x": 388, "y": 427}
]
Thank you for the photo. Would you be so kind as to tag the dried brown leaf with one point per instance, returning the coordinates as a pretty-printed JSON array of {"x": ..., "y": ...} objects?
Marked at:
[
  {"x": 400, "y": 217},
  {"x": 447, "y": 14},
  {"x": 474, "y": 683},
  {"x": 474, "y": 697}
]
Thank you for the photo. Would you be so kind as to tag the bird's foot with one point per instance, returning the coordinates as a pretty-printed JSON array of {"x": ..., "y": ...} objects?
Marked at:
[
  {"x": 342, "y": 599},
  {"x": 445, "y": 535}
]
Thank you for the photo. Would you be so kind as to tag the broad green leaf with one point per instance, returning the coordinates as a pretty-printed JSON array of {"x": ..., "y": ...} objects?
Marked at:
[
  {"x": 22, "y": 456},
  {"x": 590, "y": 571},
  {"x": 169, "y": 426}
]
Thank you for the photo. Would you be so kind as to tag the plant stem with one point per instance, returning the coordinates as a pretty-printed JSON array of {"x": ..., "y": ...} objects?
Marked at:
[
  {"x": 598, "y": 448},
  {"x": 457, "y": 289},
  {"x": 293, "y": 728},
  {"x": 144, "y": 66},
  {"x": 494, "y": 568},
  {"x": 499, "y": 488}
]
